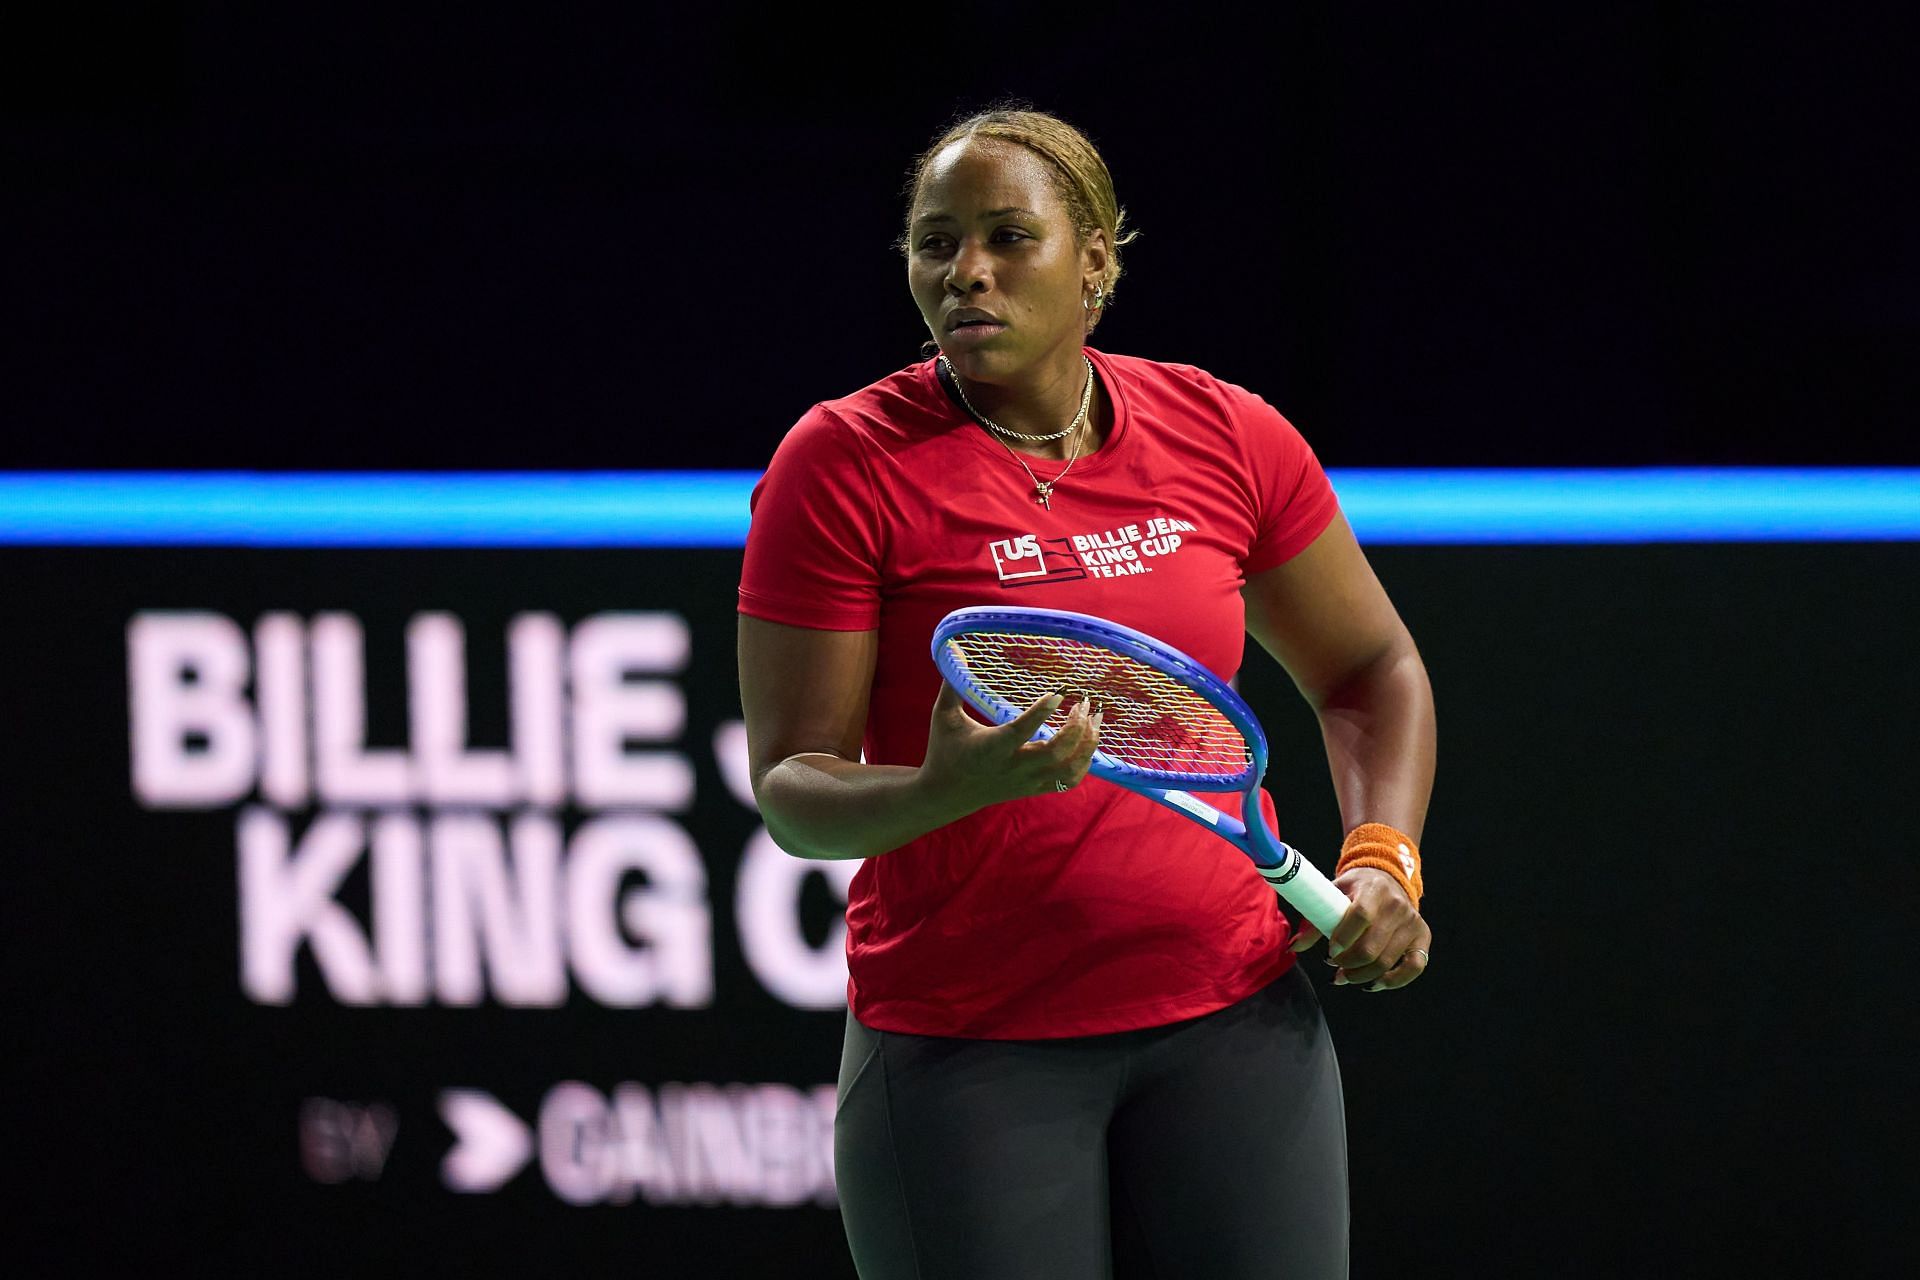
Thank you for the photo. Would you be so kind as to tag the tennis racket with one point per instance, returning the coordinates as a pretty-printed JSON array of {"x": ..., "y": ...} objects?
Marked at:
[{"x": 1170, "y": 727}]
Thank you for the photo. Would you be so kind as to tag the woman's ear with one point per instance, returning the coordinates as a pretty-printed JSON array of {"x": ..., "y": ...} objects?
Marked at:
[{"x": 1095, "y": 257}]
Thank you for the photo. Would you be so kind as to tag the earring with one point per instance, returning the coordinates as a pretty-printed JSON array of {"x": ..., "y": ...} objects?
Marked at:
[{"x": 1099, "y": 296}]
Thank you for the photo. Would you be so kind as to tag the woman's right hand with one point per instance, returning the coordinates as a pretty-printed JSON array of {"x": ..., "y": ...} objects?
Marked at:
[
  {"x": 985, "y": 764},
  {"x": 804, "y": 694}
]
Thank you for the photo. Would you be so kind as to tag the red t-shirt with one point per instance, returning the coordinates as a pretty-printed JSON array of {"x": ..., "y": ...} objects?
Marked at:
[{"x": 1081, "y": 913}]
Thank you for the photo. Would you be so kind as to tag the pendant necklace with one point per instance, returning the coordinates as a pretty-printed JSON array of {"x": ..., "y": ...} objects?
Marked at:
[{"x": 1042, "y": 489}]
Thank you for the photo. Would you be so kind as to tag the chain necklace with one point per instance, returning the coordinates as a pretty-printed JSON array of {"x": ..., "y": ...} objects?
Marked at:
[
  {"x": 1086, "y": 398},
  {"x": 1042, "y": 489}
]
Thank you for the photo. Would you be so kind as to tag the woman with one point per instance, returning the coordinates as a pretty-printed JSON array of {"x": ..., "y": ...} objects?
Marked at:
[{"x": 1077, "y": 1037}]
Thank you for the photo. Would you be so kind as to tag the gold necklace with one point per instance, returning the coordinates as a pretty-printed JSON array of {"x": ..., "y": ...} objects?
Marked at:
[
  {"x": 1086, "y": 398},
  {"x": 1042, "y": 489}
]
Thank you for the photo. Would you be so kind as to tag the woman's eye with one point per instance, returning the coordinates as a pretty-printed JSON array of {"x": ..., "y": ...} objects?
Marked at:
[{"x": 944, "y": 244}]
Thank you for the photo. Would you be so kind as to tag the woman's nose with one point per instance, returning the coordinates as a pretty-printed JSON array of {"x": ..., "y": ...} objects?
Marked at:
[{"x": 967, "y": 270}]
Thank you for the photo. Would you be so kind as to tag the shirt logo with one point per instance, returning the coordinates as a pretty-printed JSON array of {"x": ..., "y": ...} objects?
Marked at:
[{"x": 1025, "y": 560}]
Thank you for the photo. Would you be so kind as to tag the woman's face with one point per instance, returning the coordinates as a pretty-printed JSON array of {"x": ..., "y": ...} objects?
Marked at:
[{"x": 993, "y": 261}]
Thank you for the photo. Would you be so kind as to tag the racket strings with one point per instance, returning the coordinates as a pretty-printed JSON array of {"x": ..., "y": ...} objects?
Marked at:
[{"x": 1150, "y": 720}]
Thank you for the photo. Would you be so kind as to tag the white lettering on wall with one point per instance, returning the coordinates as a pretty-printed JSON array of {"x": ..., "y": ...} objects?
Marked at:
[
  {"x": 280, "y": 655},
  {"x": 450, "y": 773},
  {"x": 287, "y": 899},
  {"x": 536, "y": 645},
  {"x": 454, "y": 871},
  {"x": 670, "y": 957},
  {"x": 767, "y": 905},
  {"x": 192, "y": 727},
  {"x": 507, "y": 913},
  {"x": 400, "y": 908},
  {"x": 205, "y": 726},
  {"x": 349, "y": 774},
  {"x": 613, "y": 708},
  {"x": 678, "y": 1144},
  {"x": 500, "y": 913}
]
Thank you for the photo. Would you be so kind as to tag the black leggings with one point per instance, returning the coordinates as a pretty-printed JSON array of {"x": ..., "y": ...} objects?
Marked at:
[{"x": 1213, "y": 1148}]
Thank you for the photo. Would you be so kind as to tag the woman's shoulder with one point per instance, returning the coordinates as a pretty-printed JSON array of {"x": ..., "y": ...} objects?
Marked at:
[
  {"x": 1156, "y": 372},
  {"x": 1203, "y": 393},
  {"x": 876, "y": 415},
  {"x": 904, "y": 399}
]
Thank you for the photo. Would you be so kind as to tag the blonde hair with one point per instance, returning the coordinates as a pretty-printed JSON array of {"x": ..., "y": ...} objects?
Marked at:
[{"x": 1080, "y": 174}]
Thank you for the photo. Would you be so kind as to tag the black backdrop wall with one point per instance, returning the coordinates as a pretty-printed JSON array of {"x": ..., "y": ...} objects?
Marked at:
[
  {"x": 1666, "y": 1020},
  {"x": 1663, "y": 1033},
  {"x": 634, "y": 236}
]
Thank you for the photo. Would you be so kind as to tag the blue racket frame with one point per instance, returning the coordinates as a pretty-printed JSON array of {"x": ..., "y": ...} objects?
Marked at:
[{"x": 1279, "y": 862}]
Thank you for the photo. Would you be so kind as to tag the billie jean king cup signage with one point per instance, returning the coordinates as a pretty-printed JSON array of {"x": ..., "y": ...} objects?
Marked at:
[{"x": 512, "y": 877}]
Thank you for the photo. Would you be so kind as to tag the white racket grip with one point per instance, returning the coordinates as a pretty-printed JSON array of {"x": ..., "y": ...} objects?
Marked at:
[{"x": 1310, "y": 892}]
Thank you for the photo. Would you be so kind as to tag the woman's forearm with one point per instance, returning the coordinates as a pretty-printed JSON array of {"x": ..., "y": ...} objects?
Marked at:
[
  {"x": 821, "y": 806},
  {"x": 1379, "y": 732}
]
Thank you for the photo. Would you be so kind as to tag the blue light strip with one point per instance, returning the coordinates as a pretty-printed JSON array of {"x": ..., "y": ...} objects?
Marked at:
[
  {"x": 709, "y": 509},
  {"x": 1647, "y": 505},
  {"x": 340, "y": 509}
]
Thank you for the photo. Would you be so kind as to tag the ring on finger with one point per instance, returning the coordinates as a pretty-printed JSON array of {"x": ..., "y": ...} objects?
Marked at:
[{"x": 1061, "y": 786}]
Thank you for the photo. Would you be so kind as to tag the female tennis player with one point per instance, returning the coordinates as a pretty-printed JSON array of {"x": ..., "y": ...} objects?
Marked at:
[{"x": 1078, "y": 1043}]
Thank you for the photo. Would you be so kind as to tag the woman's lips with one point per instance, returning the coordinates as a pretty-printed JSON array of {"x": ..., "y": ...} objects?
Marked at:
[{"x": 972, "y": 334}]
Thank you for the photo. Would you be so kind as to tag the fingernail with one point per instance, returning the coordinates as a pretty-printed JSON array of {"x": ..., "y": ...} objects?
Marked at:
[
  {"x": 1332, "y": 963},
  {"x": 1376, "y": 986},
  {"x": 1339, "y": 979}
]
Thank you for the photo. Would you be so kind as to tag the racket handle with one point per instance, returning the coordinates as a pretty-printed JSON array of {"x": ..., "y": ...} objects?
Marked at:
[{"x": 1305, "y": 888}]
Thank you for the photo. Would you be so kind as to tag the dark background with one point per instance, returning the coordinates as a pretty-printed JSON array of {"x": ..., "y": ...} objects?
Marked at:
[
  {"x": 1667, "y": 1023},
  {"x": 492, "y": 236},
  {"x": 1667, "y": 1030}
]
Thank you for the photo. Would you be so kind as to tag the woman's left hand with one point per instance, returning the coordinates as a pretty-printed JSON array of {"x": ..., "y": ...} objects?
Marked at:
[{"x": 1381, "y": 943}]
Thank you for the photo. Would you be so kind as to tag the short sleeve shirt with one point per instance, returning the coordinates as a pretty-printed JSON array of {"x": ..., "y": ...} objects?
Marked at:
[{"x": 1095, "y": 910}]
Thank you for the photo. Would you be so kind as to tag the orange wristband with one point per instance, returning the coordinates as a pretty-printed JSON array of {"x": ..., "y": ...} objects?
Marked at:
[{"x": 1377, "y": 845}]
